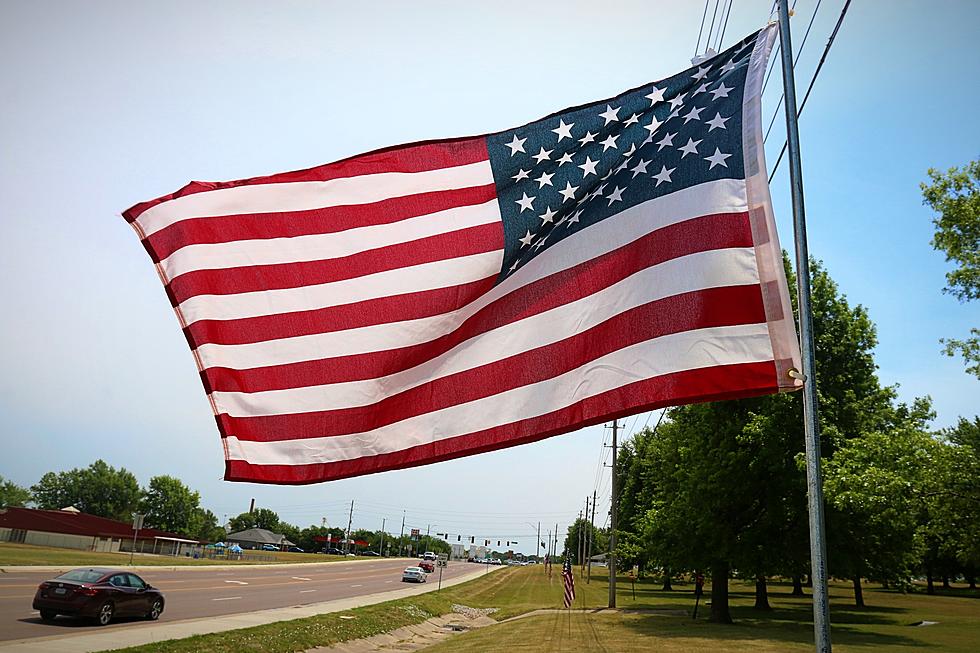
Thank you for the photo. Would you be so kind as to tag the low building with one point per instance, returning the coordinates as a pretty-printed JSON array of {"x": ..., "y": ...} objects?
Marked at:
[
  {"x": 255, "y": 538},
  {"x": 70, "y": 529}
]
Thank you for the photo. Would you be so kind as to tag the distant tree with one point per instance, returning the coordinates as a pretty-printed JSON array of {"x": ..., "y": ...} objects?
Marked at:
[
  {"x": 170, "y": 505},
  {"x": 13, "y": 495},
  {"x": 204, "y": 526},
  {"x": 99, "y": 489},
  {"x": 955, "y": 195},
  {"x": 258, "y": 518},
  {"x": 600, "y": 539}
]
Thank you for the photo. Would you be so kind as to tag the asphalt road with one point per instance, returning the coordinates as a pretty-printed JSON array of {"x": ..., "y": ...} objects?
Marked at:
[{"x": 202, "y": 592}]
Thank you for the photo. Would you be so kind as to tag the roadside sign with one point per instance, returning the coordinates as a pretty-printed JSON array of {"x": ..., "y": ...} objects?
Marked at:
[{"x": 138, "y": 521}]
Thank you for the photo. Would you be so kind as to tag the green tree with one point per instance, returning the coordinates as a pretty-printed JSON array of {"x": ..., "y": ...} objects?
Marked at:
[
  {"x": 204, "y": 526},
  {"x": 600, "y": 539},
  {"x": 258, "y": 518},
  {"x": 170, "y": 505},
  {"x": 955, "y": 196},
  {"x": 99, "y": 489},
  {"x": 13, "y": 495}
]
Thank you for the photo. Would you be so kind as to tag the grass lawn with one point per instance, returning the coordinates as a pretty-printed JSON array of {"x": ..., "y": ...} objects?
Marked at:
[
  {"x": 29, "y": 554},
  {"x": 883, "y": 625}
]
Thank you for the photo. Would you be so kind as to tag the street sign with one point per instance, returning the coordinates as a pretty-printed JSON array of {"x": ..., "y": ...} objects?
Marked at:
[{"x": 138, "y": 521}]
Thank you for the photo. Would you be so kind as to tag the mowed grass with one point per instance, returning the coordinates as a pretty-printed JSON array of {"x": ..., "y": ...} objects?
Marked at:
[
  {"x": 29, "y": 554},
  {"x": 662, "y": 622},
  {"x": 885, "y": 624}
]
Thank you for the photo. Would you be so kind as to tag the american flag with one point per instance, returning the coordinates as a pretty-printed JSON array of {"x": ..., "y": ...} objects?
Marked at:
[
  {"x": 440, "y": 299},
  {"x": 568, "y": 580}
]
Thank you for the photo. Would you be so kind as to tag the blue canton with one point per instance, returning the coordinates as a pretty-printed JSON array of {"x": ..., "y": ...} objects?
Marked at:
[{"x": 561, "y": 174}]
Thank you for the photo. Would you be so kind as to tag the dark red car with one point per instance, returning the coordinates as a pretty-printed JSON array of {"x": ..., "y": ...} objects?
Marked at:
[
  {"x": 99, "y": 594},
  {"x": 428, "y": 566}
]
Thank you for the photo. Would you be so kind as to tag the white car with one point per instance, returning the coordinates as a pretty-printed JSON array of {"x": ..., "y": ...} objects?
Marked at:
[
  {"x": 429, "y": 555},
  {"x": 413, "y": 575}
]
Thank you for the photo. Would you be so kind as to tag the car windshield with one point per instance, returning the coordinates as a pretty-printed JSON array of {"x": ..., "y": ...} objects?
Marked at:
[{"x": 81, "y": 575}]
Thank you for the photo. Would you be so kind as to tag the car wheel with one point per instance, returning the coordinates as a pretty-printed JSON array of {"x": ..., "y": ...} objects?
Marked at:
[
  {"x": 104, "y": 615},
  {"x": 48, "y": 615},
  {"x": 155, "y": 610}
]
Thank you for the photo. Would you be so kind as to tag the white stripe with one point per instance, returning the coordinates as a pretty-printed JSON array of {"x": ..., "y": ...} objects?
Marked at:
[
  {"x": 319, "y": 247},
  {"x": 712, "y": 269},
  {"x": 305, "y": 195},
  {"x": 721, "y": 196},
  {"x": 417, "y": 278},
  {"x": 689, "y": 350}
]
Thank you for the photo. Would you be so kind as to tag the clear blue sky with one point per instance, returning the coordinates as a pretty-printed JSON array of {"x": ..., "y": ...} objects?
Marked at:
[{"x": 104, "y": 104}]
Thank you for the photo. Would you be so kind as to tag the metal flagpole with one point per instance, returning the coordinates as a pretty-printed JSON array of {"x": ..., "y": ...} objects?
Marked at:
[
  {"x": 612, "y": 522},
  {"x": 818, "y": 554}
]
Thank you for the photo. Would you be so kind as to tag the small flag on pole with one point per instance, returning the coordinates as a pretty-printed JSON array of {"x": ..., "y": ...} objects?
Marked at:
[
  {"x": 441, "y": 299},
  {"x": 568, "y": 579}
]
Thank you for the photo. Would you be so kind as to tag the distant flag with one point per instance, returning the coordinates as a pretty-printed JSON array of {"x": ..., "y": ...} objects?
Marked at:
[
  {"x": 440, "y": 299},
  {"x": 568, "y": 580}
]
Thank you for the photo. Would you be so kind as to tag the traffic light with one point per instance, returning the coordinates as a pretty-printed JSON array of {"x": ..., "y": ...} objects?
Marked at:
[
  {"x": 472, "y": 539},
  {"x": 459, "y": 538}
]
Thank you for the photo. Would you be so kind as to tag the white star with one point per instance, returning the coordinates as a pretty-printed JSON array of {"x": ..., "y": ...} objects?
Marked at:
[
  {"x": 630, "y": 152},
  {"x": 693, "y": 114},
  {"x": 565, "y": 158},
  {"x": 526, "y": 240},
  {"x": 656, "y": 95},
  {"x": 563, "y": 130},
  {"x": 653, "y": 126},
  {"x": 622, "y": 166},
  {"x": 663, "y": 175},
  {"x": 574, "y": 218},
  {"x": 539, "y": 243},
  {"x": 674, "y": 102},
  {"x": 521, "y": 174},
  {"x": 548, "y": 216},
  {"x": 609, "y": 142},
  {"x": 616, "y": 195},
  {"x": 588, "y": 168},
  {"x": 690, "y": 148},
  {"x": 514, "y": 267},
  {"x": 700, "y": 73},
  {"x": 588, "y": 138},
  {"x": 728, "y": 67},
  {"x": 569, "y": 191},
  {"x": 516, "y": 145},
  {"x": 717, "y": 159},
  {"x": 641, "y": 167},
  {"x": 543, "y": 155},
  {"x": 666, "y": 140},
  {"x": 544, "y": 179},
  {"x": 632, "y": 120},
  {"x": 718, "y": 122},
  {"x": 610, "y": 114},
  {"x": 701, "y": 89},
  {"x": 721, "y": 91},
  {"x": 528, "y": 202}
]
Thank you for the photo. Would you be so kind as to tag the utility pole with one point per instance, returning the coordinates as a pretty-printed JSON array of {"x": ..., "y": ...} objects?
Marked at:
[
  {"x": 818, "y": 554},
  {"x": 381, "y": 547},
  {"x": 581, "y": 534},
  {"x": 537, "y": 546},
  {"x": 350, "y": 519},
  {"x": 402, "y": 536},
  {"x": 585, "y": 536},
  {"x": 588, "y": 578},
  {"x": 612, "y": 520}
]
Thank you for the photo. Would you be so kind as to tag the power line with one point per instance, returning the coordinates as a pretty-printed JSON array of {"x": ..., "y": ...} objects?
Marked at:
[
  {"x": 795, "y": 59},
  {"x": 721, "y": 39},
  {"x": 703, "y": 16},
  {"x": 813, "y": 79},
  {"x": 711, "y": 30}
]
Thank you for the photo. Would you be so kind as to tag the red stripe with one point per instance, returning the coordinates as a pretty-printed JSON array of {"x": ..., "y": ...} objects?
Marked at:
[
  {"x": 349, "y": 316},
  {"x": 695, "y": 310},
  {"x": 415, "y": 157},
  {"x": 260, "y": 226},
  {"x": 700, "y": 234},
  {"x": 254, "y": 278},
  {"x": 711, "y": 384}
]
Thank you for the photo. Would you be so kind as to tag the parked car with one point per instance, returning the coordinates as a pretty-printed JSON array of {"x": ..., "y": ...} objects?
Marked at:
[
  {"x": 295, "y": 549},
  {"x": 427, "y": 565},
  {"x": 334, "y": 551},
  {"x": 371, "y": 553},
  {"x": 413, "y": 575},
  {"x": 495, "y": 561},
  {"x": 270, "y": 547},
  {"x": 99, "y": 594}
]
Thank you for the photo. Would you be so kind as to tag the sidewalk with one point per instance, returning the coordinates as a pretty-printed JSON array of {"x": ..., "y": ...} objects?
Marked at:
[{"x": 114, "y": 638}]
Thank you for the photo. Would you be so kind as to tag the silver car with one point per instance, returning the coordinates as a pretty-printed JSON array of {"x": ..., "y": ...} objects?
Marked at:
[{"x": 413, "y": 575}]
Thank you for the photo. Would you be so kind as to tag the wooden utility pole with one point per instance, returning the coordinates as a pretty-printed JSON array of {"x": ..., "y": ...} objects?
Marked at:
[
  {"x": 350, "y": 520},
  {"x": 588, "y": 579},
  {"x": 612, "y": 521}
]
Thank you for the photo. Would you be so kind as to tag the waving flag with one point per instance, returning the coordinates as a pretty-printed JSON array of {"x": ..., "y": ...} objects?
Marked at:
[
  {"x": 436, "y": 300},
  {"x": 568, "y": 582}
]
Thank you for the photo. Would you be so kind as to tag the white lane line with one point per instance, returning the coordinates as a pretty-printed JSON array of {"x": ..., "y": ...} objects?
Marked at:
[
  {"x": 227, "y": 598},
  {"x": 305, "y": 591},
  {"x": 389, "y": 581},
  {"x": 301, "y": 578},
  {"x": 237, "y": 582},
  {"x": 357, "y": 586}
]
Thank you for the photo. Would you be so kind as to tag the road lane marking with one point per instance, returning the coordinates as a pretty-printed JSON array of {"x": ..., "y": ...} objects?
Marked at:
[
  {"x": 305, "y": 591},
  {"x": 237, "y": 582},
  {"x": 389, "y": 581},
  {"x": 357, "y": 586},
  {"x": 227, "y": 598},
  {"x": 300, "y": 578}
]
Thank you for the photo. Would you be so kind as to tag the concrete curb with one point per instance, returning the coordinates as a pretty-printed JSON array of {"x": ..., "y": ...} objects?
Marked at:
[{"x": 116, "y": 638}]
